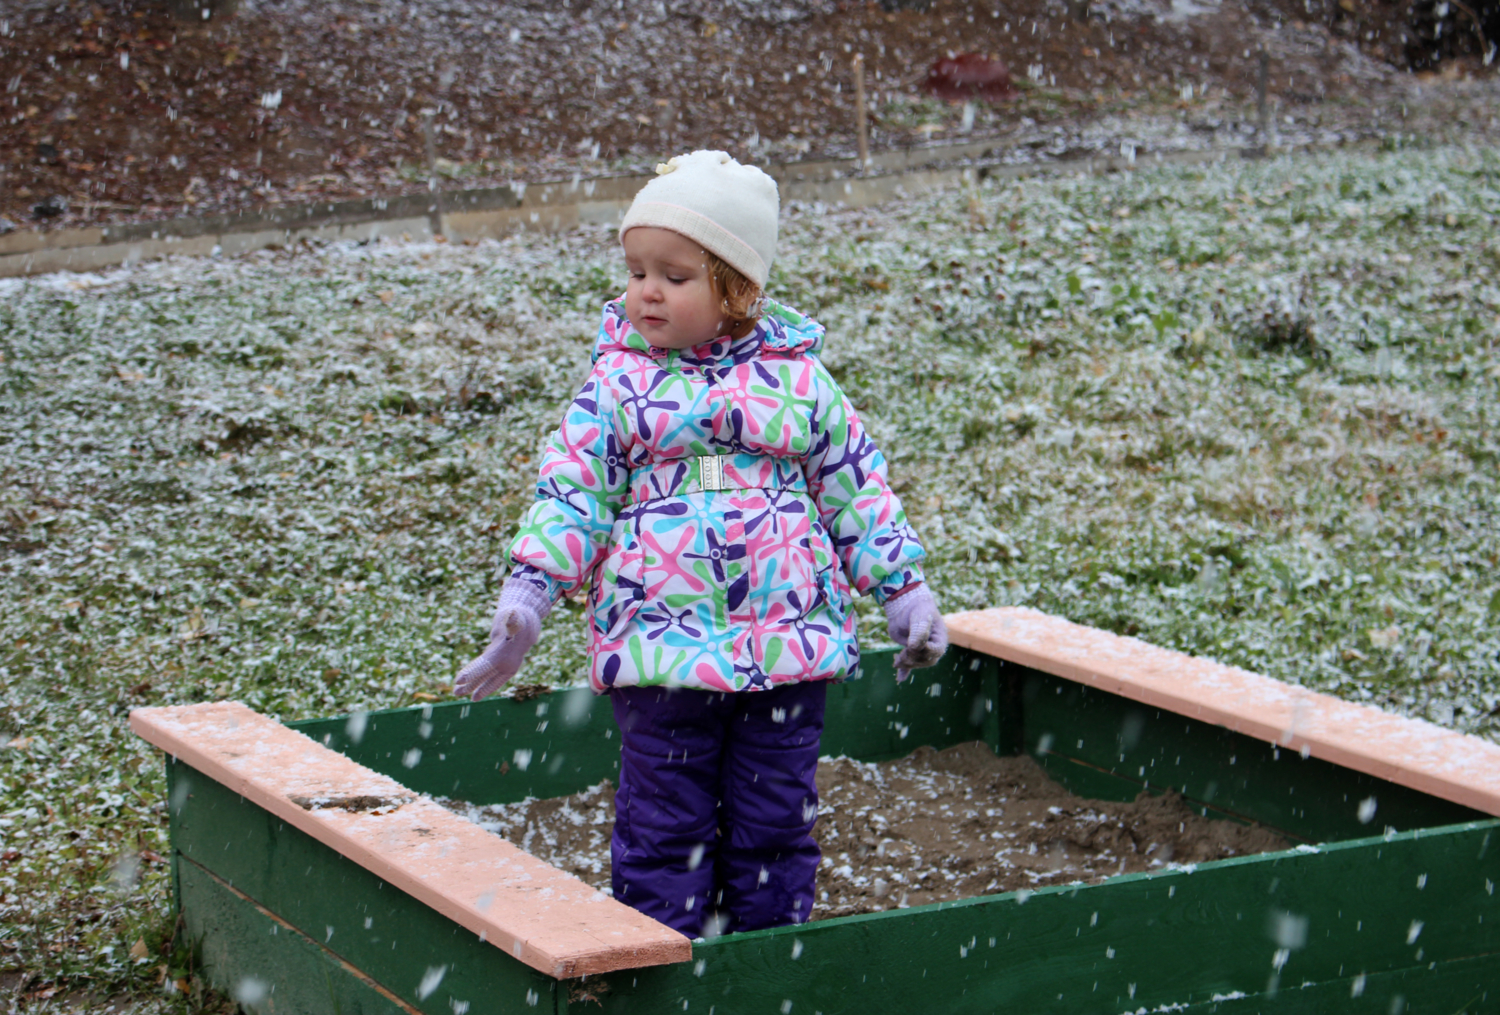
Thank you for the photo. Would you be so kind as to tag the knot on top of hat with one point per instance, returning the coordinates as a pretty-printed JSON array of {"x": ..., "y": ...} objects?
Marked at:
[{"x": 669, "y": 166}]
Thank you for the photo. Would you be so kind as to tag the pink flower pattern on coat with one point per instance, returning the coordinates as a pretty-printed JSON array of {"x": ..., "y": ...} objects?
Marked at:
[{"x": 728, "y": 590}]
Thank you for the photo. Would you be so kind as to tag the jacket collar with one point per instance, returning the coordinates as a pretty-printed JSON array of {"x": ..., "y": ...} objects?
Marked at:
[{"x": 781, "y": 330}]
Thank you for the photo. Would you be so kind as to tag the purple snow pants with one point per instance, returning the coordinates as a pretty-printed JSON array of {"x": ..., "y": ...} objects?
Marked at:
[{"x": 714, "y": 814}]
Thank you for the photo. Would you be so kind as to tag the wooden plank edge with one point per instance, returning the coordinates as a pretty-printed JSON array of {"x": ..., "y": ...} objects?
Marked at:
[
  {"x": 599, "y": 957},
  {"x": 1366, "y": 759}
]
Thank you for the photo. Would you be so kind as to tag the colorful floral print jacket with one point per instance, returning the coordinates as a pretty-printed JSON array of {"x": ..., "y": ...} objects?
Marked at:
[{"x": 731, "y": 572}]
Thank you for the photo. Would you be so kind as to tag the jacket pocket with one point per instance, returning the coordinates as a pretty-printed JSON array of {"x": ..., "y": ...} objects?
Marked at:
[
  {"x": 831, "y": 592},
  {"x": 618, "y": 592},
  {"x": 828, "y": 575},
  {"x": 613, "y": 616}
]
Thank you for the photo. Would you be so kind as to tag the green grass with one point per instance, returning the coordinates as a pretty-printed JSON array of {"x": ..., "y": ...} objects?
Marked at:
[{"x": 1247, "y": 411}]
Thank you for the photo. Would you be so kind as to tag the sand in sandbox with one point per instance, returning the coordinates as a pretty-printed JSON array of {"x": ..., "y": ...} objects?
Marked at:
[
  {"x": 955, "y": 824},
  {"x": 931, "y": 827}
]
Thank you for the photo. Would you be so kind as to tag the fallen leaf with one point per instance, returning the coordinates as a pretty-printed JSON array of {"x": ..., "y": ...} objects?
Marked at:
[
  {"x": 1387, "y": 637},
  {"x": 139, "y": 951},
  {"x": 194, "y": 627}
]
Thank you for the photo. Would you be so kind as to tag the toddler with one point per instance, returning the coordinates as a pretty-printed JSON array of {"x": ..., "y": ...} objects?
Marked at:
[{"x": 714, "y": 488}]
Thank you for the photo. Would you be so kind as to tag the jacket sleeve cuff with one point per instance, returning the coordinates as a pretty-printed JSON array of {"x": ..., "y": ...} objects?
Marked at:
[
  {"x": 541, "y": 579},
  {"x": 896, "y": 583}
]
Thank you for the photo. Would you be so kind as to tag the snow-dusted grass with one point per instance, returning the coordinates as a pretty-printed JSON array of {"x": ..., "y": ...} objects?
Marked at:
[{"x": 1246, "y": 411}]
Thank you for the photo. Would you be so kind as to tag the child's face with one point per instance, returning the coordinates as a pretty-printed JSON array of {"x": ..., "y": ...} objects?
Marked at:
[{"x": 670, "y": 298}]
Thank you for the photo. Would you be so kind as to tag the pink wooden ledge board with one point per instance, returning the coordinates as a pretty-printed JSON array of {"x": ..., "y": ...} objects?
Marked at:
[
  {"x": 1409, "y": 752},
  {"x": 549, "y": 920}
]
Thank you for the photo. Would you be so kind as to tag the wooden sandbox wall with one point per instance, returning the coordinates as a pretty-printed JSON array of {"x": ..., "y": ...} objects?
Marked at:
[{"x": 315, "y": 878}]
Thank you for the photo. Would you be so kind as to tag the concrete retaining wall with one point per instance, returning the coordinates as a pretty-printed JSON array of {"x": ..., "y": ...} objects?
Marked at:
[{"x": 501, "y": 211}]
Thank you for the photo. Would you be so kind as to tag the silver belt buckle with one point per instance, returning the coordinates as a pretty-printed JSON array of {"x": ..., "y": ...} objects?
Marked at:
[{"x": 711, "y": 472}]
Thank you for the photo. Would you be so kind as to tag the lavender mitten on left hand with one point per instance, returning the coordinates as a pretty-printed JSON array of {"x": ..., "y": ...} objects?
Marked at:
[
  {"x": 914, "y": 623},
  {"x": 516, "y": 627}
]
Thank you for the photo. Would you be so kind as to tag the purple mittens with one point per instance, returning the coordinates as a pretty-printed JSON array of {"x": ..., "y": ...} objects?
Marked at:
[
  {"x": 517, "y": 625},
  {"x": 914, "y": 623}
]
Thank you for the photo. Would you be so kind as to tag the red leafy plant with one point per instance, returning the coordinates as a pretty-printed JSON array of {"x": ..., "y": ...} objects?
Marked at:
[{"x": 967, "y": 76}]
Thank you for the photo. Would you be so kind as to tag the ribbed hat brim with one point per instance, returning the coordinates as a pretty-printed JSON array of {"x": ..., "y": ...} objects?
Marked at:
[{"x": 700, "y": 229}]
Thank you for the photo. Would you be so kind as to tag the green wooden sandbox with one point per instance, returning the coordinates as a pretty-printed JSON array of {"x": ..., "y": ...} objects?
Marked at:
[{"x": 1394, "y": 914}]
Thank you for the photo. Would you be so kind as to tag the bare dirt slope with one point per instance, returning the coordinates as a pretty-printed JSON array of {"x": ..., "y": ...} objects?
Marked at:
[{"x": 114, "y": 111}]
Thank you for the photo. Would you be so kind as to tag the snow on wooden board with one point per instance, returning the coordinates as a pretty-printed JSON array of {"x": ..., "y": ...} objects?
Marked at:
[
  {"x": 1409, "y": 752},
  {"x": 547, "y": 919}
]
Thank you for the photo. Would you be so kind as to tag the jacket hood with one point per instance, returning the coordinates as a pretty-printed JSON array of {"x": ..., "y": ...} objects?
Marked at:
[{"x": 781, "y": 330}]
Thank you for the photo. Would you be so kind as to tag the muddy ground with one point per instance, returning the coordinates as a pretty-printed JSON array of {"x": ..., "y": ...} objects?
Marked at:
[
  {"x": 112, "y": 110},
  {"x": 932, "y": 827}
]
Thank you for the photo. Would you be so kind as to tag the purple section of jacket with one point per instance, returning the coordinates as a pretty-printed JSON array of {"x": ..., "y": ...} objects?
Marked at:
[{"x": 715, "y": 810}]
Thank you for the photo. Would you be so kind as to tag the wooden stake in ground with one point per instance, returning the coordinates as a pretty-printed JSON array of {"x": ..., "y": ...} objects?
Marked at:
[
  {"x": 1484, "y": 43},
  {"x": 1263, "y": 139},
  {"x": 435, "y": 211},
  {"x": 860, "y": 124}
]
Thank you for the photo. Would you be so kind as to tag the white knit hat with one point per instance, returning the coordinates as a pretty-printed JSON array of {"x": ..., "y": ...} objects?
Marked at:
[{"x": 713, "y": 200}]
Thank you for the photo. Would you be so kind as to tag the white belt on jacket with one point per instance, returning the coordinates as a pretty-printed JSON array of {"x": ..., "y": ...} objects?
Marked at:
[{"x": 736, "y": 471}]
